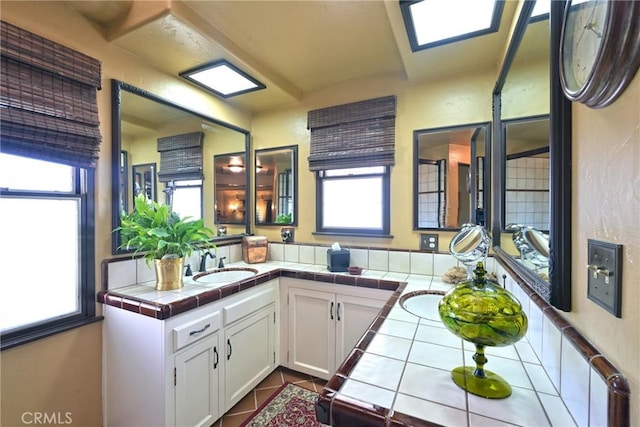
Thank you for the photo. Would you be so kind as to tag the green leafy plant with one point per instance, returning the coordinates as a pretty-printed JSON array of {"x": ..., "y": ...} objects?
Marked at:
[
  {"x": 284, "y": 219},
  {"x": 154, "y": 229}
]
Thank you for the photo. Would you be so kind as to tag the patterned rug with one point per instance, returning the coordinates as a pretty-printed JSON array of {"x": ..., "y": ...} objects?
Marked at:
[{"x": 290, "y": 406}]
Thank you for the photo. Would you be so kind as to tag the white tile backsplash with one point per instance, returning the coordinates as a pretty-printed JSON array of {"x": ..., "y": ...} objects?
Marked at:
[
  {"x": 399, "y": 262},
  {"x": 551, "y": 348},
  {"x": 379, "y": 260},
  {"x": 359, "y": 257},
  {"x": 291, "y": 253},
  {"x": 307, "y": 254},
  {"x": 121, "y": 273},
  {"x": 144, "y": 272},
  {"x": 421, "y": 263},
  {"x": 574, "y": 382},
  {"x": 276, "y": 252},
  {"x": 598, "y": 394}
]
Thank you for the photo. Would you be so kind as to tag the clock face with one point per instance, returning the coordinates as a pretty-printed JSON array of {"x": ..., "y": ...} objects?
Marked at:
[{"x": 583, "y": 36}]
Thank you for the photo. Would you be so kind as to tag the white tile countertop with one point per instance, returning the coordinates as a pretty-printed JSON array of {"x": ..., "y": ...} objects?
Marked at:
[{"x": 402, "y": 372}]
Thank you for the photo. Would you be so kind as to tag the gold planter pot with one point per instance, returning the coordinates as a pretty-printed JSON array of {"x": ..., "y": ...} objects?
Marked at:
[{"x": 168, "y": 273}]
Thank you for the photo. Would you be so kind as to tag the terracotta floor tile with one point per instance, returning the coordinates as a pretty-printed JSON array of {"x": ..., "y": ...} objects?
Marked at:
[
  {"x": 234, "y": 420},
  {"x": 294, "y": 377},
  {"x": 247, "y": 403},
  {"x": 273, "y": 380},
  {"x": 306, "y": 384},
  {"x": 263, "y": 394}
]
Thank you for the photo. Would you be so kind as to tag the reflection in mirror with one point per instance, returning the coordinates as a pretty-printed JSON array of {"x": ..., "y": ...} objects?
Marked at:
[
  {"x": 276, "y": 185},
  {"x": 144, "y": 180},
  {"x": 230, "y": 188},
  {"x": 526, "y": 189},
  {"x": 532, "y": 234},
  {"x": 451, "y": 167},
  {"x": 124, "y": 182},
  {"x": 533, "y": 247},
  {"x": 140, "y": 119}
]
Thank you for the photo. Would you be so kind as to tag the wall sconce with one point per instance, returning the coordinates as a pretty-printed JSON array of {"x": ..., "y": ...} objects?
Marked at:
[
  {"x": 287, "y": 234},
  {"x": 222, "y": 230}
]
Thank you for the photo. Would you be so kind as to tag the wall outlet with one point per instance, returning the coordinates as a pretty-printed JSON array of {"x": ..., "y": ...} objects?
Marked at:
[{"x": 429, "y": 242}]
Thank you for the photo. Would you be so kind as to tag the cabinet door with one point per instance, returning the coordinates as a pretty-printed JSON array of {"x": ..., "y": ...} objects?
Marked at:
[
  {"x": 196, "y": 383},
  {"x": 312, "y": 332},
  {"x": 353, "y": 317},
  {"x": 249, "y": 353}
]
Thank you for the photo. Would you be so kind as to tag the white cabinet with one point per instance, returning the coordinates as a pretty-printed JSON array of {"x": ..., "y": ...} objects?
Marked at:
[
  {"x": 197, "y": 382},
  {"x": 190, "y": 369},
  {"x": 325, "y": 322},
  {"x": 250, "y": 353}
]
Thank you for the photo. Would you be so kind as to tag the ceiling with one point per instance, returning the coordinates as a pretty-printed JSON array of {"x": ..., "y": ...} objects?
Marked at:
[{"x": 293, "y": 47}]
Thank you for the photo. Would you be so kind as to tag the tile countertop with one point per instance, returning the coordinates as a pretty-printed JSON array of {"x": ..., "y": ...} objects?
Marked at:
[{"x": 399, "y": 373}]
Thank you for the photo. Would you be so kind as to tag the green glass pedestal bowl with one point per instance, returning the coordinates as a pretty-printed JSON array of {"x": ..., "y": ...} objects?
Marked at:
[{"x": 484, "y": 313}]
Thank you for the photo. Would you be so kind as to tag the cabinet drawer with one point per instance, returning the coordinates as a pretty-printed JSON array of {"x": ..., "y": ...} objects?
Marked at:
[
  {"x": 246, "y": 306},
  {"x": 193, "y": 331}
]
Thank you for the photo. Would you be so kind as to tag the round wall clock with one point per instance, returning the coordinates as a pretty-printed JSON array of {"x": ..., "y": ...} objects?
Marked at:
[{"x": 599, "y": 50}]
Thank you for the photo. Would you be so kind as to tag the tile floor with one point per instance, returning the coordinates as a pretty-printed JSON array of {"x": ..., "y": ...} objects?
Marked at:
[{"x": 252, "y": 401}]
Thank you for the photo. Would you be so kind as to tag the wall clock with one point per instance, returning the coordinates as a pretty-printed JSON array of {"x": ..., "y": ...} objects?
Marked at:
[{"x": 599, "y": 50}]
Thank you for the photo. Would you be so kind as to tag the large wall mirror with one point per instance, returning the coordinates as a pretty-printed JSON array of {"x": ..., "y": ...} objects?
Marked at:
[
  {"x": 139, "y": 120},
  {"x": 276, "y": 185},
  {"x": 531, "y": 231},
  {"x": 451, "y": 168}
]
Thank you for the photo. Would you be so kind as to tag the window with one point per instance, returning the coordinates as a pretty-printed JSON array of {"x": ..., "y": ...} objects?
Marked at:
[
  {"x": 47, "y": 284},
  {"x": 353, "y": 201},
  {"x": 187, "y": 198}
]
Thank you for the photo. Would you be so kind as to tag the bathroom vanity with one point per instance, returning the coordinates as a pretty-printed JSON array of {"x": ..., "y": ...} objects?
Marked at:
[{"x": 170, "y": 358}]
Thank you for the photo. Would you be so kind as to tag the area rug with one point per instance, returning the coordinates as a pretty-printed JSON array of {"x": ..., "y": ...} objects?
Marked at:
[{"x": 290, "y": 406}]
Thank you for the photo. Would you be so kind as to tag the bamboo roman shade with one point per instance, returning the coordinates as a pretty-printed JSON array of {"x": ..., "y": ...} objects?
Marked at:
[
  {"x": 48, "y": 105},
  {"x": 353, "y": 135},
  {"x": 181, "y": 157}
]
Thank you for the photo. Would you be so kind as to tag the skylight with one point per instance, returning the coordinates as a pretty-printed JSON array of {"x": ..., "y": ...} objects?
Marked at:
[
  {"x": 432, "y": 23},
  {"x": 222, "y": 78}
]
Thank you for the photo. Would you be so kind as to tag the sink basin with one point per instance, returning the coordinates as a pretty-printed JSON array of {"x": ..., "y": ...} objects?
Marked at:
[
  {"x": 423, "y": 304},
  {"x": 227, "y": 275}
]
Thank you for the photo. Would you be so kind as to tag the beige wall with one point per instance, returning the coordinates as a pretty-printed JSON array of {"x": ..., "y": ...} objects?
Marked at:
[
  {"x": 606, "y": 206},
  {"x": 63, "y": 373}
]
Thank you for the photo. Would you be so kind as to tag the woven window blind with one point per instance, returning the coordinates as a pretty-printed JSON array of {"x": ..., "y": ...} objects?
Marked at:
[
  {"x": 48, "y": 105},
  {"x": 181, "y": 157},
  {"x": 359, "y": 134}
]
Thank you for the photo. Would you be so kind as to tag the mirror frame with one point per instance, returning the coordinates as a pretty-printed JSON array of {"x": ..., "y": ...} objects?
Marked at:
[
  {"x": 116, "y": 144},
  {"x": 294, "y": 167},
  {"x": 472, "y": 167},
  {"x": 558, "y": 291}
]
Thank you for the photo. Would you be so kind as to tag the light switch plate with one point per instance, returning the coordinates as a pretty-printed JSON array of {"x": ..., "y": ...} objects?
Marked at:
[
  {"x": 604, "y": 275},
  {"x": 429, "y": 242}
]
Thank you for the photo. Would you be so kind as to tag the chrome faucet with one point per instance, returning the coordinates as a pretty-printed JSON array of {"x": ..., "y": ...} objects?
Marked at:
[{"x": 203, "y": 260}]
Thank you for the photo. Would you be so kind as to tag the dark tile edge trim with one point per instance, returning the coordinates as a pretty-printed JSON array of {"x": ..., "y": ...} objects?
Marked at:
[
  {"x": 165, "y": 311},
  {"x": 618, "y": 413}
]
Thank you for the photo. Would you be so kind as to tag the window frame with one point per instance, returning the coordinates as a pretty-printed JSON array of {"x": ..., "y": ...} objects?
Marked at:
[
  {"x": 360, "y": 232},
  {"x": 200, "y": 186},
  {"x": 84, "y": 191}
]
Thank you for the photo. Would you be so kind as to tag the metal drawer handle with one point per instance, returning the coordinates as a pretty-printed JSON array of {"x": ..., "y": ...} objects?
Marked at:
[
  {"x": 230, "y": 349},
  {"x": 200, "y": 330},
  {"x": 215, "y": 352}
]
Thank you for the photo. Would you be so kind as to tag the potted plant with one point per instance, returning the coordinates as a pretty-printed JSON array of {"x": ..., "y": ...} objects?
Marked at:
[{"x": 165, "y": 237}]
